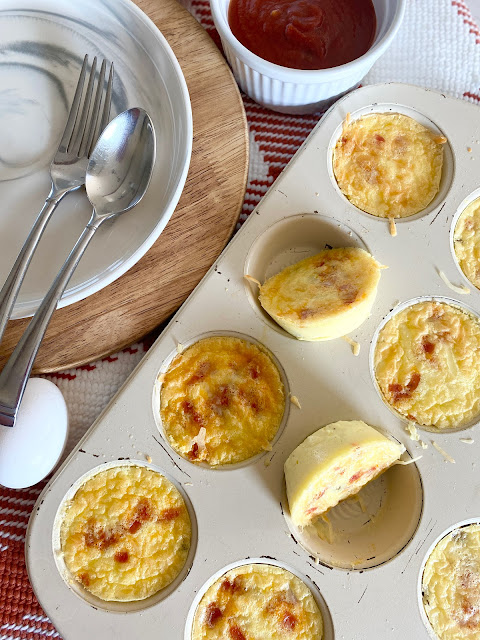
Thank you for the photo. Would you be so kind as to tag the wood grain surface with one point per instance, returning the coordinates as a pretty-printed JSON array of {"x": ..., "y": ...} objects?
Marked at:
[{"x": 201, "y": 225}]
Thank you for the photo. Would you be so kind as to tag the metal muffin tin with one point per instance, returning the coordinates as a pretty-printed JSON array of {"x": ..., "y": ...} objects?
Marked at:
[{"x": 239, "y": 512}]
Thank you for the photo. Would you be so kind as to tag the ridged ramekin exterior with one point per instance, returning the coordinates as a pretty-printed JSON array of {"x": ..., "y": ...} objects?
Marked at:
[{"x": 299, "y": 91}]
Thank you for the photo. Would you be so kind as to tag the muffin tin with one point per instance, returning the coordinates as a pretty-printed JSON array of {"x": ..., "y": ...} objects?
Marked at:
[{"x": 241, "y": 512}]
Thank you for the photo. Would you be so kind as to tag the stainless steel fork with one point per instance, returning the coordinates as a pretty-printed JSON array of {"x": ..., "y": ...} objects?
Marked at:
[{"x": 86, "y": 121}]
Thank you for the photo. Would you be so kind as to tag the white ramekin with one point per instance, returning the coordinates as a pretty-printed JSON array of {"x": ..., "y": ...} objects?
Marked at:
[{"x": 295, "y": 90}]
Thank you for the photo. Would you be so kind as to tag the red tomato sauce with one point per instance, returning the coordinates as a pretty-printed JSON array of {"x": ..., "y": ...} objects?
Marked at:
[{"x": 304, "y": 34}]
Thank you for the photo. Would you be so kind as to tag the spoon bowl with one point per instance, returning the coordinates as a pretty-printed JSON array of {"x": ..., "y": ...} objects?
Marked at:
[{"x": 121, "y": 165}]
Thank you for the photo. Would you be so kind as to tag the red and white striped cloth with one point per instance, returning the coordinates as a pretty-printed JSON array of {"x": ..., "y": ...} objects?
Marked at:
[{"x": 437, "y": 47}]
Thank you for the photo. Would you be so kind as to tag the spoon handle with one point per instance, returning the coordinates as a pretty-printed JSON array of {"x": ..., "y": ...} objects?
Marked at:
[
  {"x": 10, "y": 289},
  {"x": 15, "y": 374}
]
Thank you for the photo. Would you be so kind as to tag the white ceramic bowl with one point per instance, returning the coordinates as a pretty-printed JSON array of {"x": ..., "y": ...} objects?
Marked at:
[
  {"x": 42, "y": 45},
  {"x": 295, "y": 90}
]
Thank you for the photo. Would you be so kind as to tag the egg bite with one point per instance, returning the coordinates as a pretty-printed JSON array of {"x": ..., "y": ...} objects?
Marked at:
[
  {"x": 333, "y": 464},
  {"x": 466, "y": 242},
  {"x": 258, "y": 601},
  {"x": 427, "y": 364},
  {"x": 325, "y": 296},
  {"x": 221, "y": 401},
  {"x": 451, "y": 585},
  {"x": 388, "y": 164},
  {"x": 125, "y": 534}
]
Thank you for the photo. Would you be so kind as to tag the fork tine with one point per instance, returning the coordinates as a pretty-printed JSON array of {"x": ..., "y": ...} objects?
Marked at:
[
  {"x": 80, "y": 127},
  {"x": 72, "y": 116},
  {"x": 105, "y": 119},
  {"x": 108, "y": 101},
  {"x": 90, "y": 130}
]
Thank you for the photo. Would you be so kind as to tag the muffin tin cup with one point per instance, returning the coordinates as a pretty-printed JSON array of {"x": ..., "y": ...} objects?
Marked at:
[
  {"x": 369, "y": 529},
  {"x": 401, "y": 307},
  {"x": 448, "y": 170},
  {"x": 475, "y": 195},
  {"x": 421, "y": 608},
  {"x": 239, "y": 512},
  {"x": 76, "y": 587},
  {"x": 328, "y": 630},
  {"x": 157, "y": 389}
]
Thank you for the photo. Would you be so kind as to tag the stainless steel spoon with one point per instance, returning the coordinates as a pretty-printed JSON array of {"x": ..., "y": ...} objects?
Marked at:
[{"x": 118, "y": 174}]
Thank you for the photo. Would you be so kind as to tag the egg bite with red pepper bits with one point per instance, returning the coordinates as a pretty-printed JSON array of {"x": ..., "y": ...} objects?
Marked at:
[
  {"x": 388, "y": 164},
  {"x": 333, "y": 464},
  {"x": 221, "y": 401},
  {"x": 451, "y": 585},
  {"x": 258, "y": 601},
  {"x": 325, "y": 296},
  {"x": 125, "y": 534},
  {"x": 427, "y": 364}
]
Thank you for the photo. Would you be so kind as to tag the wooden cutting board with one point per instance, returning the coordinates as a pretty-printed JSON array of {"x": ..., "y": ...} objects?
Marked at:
[{"x": 201, "y": 225}]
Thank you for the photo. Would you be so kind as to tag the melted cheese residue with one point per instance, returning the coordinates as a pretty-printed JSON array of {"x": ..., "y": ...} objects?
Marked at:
[
  {"x": 451, "y": 585},
  {"x": 325, "y": 296},
  {"x": 388, "y": 164},
  {"x": 126, "y": 533},
  {"x": 258, "y": 601},
  {"x": 466, "y": 242},
  {"x": 427, "y": 364},
  {"x": 232, "y": 390}
]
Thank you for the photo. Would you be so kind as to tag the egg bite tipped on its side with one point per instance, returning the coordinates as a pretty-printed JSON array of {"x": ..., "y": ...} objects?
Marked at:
[
  {"x": 451, "y": 585},
  {"x": 334, "y": 463},
  {"x": 258, "y": 601},
  {"x": 125, "y": 534},
  {"x": 325, "y": 296},
  {"x": 221, "y": 401},
  {"x": 427, "y": 364},
  {"x": 388, "y": 164}
]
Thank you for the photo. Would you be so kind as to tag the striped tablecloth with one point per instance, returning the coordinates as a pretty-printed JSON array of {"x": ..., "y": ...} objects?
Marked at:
[{"x": 437, "y": 47}]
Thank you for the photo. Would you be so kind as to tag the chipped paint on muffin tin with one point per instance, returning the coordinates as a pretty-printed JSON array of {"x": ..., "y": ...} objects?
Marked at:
[{"x": 239, "y": 512}]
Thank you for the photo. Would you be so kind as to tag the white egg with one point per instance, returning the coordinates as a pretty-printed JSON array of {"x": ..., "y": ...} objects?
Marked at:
[{"x": 32, "y": 448}]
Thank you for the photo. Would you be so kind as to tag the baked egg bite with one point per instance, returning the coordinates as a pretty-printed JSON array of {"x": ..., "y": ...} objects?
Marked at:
[
  {"x": 451, "y": 585},
  {"x": 221, "y": 401},
  {"x": 325, "y": 296},
  {"x": 427, "y": 364},
  {"x": 333, "y": 464},
  {"x": 125, "y": 534},
  {"x": 258, "y": 601},
  {"x": 388, "y": 164},
  {"x": 466, "y": 242}
]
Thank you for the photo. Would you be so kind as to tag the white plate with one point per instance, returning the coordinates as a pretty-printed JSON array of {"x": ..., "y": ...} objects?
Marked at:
[{"x": 42, "y": 45}]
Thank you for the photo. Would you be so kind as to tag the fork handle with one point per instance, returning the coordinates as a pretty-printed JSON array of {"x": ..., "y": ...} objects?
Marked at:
[
  {"x": 15, "y": 374},
  {"x": 10, "y": 289}
]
